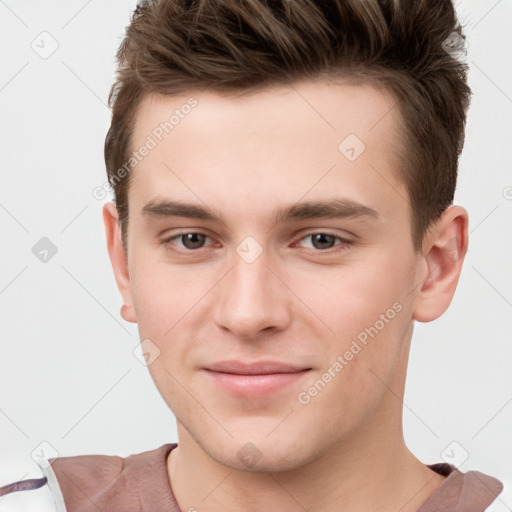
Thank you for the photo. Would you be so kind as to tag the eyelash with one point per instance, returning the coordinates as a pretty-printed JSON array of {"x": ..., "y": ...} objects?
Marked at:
[{"x": 343, "y": 244}]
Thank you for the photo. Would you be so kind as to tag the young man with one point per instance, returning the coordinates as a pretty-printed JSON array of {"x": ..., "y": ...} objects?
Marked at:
[{"x": 284, "y": 175}]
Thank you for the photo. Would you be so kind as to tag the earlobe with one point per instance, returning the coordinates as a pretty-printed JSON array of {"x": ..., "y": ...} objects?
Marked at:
[
  {"x": 128, "y": 313},
  {"x": 118, "y": 260},
  {"x": 444, "y": 249}
]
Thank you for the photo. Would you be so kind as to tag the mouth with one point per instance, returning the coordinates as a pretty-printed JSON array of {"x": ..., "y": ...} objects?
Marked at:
[{"x": 253, "y": 380}]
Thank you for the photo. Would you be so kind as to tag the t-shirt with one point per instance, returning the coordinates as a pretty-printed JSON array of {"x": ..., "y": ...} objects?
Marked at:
[{"x": 139, "y": 482}]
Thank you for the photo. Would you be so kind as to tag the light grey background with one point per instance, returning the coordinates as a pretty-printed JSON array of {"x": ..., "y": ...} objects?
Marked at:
[{"x": 68, "y": 374}]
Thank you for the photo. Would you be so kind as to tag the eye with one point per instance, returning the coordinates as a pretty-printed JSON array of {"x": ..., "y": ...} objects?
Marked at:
[
  {"x": 188, "y": 241},
  {"x": 323, "y": 241}
]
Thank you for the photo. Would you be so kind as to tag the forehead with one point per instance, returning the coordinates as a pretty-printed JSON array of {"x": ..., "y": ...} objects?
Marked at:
[{"x": 282, "y": 143}]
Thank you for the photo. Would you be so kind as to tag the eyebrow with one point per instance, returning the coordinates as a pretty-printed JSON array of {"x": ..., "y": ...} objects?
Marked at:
[
  {"x": 310, "y": 210},
  {"x": 335, "y": 208},
  {"x": 164, "y": 209}
]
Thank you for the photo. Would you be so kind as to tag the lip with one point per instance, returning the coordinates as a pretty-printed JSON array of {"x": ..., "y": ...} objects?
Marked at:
[
  {"x": 254, "y": 368},
  {"x": 253, "y": 380}
]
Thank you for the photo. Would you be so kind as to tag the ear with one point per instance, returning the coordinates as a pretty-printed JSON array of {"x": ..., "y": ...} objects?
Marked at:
[
  {"x": 443, "y": 251},
  {"x": 118, "y": 259}
]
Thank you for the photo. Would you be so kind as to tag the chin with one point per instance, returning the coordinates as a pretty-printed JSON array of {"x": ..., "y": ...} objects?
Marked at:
[{"x": 270, "y": 455}]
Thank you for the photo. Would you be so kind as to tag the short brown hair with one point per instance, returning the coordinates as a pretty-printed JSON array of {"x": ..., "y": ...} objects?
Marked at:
[{"x": 175, "y": 46}]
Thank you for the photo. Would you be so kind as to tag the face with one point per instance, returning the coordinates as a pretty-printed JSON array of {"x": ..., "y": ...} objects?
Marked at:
[{"x": 272, "y": 226}]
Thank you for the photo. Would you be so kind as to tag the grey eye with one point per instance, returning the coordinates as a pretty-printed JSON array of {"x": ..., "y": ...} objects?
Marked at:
[
  {"x": 323, "y": 241},
  {"x": 193, "y": 240}
]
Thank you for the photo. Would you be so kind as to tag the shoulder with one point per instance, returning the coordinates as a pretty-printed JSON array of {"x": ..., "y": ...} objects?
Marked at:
[
  {"x": 64, "y": 483},
  {"x": 101, "y": 470},
  {"x": 110, "y": 482},
  {"x": 471, "y": 491}
]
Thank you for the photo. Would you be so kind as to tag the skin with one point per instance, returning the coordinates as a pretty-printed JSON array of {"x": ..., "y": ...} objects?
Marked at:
[{"x": 244, "y": 157}]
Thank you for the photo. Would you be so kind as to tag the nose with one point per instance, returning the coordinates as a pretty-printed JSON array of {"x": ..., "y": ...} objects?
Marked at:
[{"x": 251, "y": 299}]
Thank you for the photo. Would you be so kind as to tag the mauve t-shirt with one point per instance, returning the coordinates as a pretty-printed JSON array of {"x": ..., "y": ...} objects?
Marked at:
[{"x": 139, "y": 483}]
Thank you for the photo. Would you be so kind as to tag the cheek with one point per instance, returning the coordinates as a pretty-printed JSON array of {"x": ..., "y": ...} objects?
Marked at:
[
  {"x": 172, "y": 309},
  {"x": 162, "y": 293},
  {"x": 350, "y": 298},
  {"x": 162, "y": 298},
  {"x": 367, "y": 307}
]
